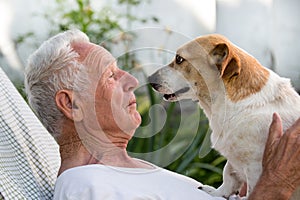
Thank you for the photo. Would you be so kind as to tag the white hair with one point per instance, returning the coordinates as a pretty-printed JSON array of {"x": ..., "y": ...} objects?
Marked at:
[{"x": 52, "y": 67}]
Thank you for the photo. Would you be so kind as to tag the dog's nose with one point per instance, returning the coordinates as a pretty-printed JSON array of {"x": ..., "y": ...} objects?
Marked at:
[
  {"x": 155, "y": 86},
  {"x": 153, "y": 82}
]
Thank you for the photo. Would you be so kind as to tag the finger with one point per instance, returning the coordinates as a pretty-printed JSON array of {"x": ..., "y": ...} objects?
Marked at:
[{"x": 275, "y": 130}]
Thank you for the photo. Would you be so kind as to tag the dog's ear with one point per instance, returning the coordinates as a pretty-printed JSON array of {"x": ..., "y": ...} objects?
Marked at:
[{"x": 227, "y": 62}]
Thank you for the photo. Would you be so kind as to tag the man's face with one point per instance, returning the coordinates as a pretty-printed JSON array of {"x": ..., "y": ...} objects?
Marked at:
[{"x": 112, "y": 90}]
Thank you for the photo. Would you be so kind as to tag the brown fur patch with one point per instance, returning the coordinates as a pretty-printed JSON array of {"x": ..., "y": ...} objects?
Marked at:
[{"x": 250, "y": 77}]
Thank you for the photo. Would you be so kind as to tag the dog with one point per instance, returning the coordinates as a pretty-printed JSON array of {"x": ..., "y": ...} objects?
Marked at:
[{"x": 238, "y": 96}]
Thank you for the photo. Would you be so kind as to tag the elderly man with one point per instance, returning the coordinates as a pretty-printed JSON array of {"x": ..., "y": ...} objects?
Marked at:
[{"x": 87, "y": 103}]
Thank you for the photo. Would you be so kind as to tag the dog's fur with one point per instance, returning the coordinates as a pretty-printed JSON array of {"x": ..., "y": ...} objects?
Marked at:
[{"x": 238, "y": 95}]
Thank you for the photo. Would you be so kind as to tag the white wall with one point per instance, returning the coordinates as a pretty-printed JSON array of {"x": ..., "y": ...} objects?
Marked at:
[
  {"x": 286, "y": 42},
  {"x": 267, "y": 29}
]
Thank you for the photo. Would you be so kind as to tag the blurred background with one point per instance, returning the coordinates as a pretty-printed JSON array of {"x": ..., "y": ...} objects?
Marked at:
[{"x": 144, "y": 35}]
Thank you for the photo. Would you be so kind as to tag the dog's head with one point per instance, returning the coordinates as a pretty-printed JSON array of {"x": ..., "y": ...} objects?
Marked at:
[{"x": 197, "y": 68}]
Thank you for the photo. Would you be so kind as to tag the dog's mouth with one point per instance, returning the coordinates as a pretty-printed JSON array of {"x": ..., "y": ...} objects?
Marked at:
[{"x": 174, "y": 96}]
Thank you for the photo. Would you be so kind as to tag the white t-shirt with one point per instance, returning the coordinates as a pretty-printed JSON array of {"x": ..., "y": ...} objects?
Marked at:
[{"x": 97, "y": 182}]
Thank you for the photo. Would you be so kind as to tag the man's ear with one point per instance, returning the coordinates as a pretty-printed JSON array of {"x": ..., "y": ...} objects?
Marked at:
[
  {"x": 67, "y": 104},
  {"x": 227, "y": 63}
]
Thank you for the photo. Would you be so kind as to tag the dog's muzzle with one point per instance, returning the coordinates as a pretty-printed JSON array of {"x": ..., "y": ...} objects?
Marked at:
[
  {"x": 174, "y": 96},
  {"x": 154, "y": 82}
]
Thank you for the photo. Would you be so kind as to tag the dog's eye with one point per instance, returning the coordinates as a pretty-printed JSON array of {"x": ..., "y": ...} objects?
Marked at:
[{"x": 179, "y": 59}]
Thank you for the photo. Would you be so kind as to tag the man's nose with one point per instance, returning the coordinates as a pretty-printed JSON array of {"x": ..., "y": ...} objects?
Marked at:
[{"x": 130, "y": 82}]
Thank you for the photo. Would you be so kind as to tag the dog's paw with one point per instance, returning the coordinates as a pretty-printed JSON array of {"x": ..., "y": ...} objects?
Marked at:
[
  {"x": 220, "y": 192},
  {"x": 209, "y": 189}
]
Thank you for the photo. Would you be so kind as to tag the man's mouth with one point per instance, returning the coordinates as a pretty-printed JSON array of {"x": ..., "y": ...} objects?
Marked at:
[
  {"x": 173, "y": 96},
  {"x": 132, "y": 102}
]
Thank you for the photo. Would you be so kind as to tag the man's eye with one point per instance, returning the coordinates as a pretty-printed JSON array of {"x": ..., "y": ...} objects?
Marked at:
[
  {"x": 112, "y": 75},
  {"x": 179, "y": 59}
]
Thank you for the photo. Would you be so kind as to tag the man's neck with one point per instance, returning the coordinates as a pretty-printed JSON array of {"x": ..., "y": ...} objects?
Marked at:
[
  {"x": 105, "y": 149},
  {"x": 73, "y": 155},
  {"x": 116, "y": 157}
]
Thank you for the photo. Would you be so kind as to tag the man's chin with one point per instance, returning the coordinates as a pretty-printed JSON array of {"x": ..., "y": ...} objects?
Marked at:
[
  {"x": 134, "y": 123},
  {"x": 137, "y": 119}
]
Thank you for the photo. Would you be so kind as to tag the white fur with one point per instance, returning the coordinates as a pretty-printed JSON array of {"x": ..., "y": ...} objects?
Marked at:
[{"x": 242, "y": 135}]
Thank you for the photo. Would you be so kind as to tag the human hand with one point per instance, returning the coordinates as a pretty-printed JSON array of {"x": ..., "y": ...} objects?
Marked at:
[
  {"x": 281, "y": 160},
  {"x": 281, "y": 163}
]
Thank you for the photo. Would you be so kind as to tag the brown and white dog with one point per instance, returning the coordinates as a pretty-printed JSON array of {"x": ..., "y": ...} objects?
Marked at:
[{"x": 238, "y": 95}]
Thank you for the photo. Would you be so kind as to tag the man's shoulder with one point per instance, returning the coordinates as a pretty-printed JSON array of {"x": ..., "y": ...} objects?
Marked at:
[
  {"x": 83, "y": 183},
  {"x": 83, "y": 172}
]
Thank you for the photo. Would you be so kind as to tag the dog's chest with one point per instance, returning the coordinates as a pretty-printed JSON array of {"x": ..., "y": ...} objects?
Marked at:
[{"x": 240, "y": 135}]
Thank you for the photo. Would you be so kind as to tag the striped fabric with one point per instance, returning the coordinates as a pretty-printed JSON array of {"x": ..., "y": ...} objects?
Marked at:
[{"x": 29, "y": 156}]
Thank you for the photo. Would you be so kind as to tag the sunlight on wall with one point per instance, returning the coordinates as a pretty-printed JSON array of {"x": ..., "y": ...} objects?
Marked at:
[
  {"x": 234, "y": 3},
  {"x": 203, "y": 10},
  {"x": 6, "y": 16},
  {"x": 267, "y": 3},
  {"x": 6, "y": 43}
]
